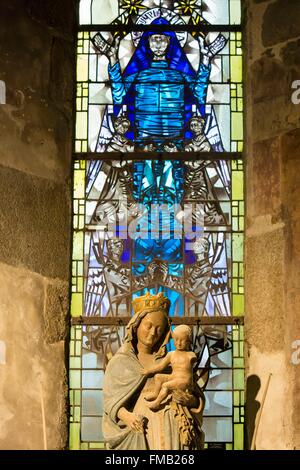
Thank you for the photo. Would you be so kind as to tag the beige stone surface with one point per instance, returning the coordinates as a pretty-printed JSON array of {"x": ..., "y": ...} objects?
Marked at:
[
  {"x": 35, "y": 223},
  {"x": 275, "y": 430},
  {"x": 273, "y": 211},
  {"x": 37, "y": 64},
  {"x": 33, "y": 367}
]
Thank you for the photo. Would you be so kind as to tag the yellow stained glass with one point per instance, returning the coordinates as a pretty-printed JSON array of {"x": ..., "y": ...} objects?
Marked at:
[
  {"x": 74, "y": 440},
  {"x": 75, "y": 378},
  {"x": 79, "y": 184},
  {"x": 235, "y": 11},
  {"x": 76, "y": 304},
  {"x": 238, "y": 304},
  {"x": 236, "y": 68},
  {"x": 237, "y": 126},
  {"x": 238, "y": 436},
  {"x": 81, "y": 125},
  {"x": 237, "y": 185},
  {"x": 78, "y": 246},
  {"x": 82, "y": 67},
  {"x": 238, "y": 379}
]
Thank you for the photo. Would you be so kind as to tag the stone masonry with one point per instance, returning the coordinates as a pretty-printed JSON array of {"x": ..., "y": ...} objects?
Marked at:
[
  {"x": 273, "y": 218},
  {"x": 37, "y": 66}
]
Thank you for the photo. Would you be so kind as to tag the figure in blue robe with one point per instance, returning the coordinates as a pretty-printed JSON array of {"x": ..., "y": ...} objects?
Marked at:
[
  {"x": 159, "y": 88},
  {"x": 159, "y": 92}
]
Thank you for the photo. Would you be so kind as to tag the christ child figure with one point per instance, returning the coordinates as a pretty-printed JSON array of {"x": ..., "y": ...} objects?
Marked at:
[{"x": 182, "y": 361}]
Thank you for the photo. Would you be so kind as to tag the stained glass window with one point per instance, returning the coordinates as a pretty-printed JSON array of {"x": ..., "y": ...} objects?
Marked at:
[{"x": 158, "y": 195}]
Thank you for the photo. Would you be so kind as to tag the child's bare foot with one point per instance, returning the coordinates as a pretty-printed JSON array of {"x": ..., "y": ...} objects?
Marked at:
[
  {"x": 149, "y": 396},
  {"x": 153, "y": 405}
]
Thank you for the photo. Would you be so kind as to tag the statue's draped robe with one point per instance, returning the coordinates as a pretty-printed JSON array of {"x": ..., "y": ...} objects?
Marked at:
[{"x": 124, "y": 386}]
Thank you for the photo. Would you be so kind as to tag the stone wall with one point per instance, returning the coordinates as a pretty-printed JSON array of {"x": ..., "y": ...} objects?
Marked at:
[
  {"x": 273, "y": 220},
  {"x": 37, "y": 66}
]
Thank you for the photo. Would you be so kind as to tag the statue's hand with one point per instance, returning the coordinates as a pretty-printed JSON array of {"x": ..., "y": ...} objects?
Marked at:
[
  {"x": 134, "y": 422},
  {"x": 185, "y": 398},
  {"x": 103, "y": 47},
  {"x": 148, "y": 371}
]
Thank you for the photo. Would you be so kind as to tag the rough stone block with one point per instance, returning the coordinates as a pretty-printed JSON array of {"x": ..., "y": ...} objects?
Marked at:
[
  {"x": 265, "y": 309},
  {"x": 268, "y": 79},
  {"x": 264, "y": 172},
  {"x": 281, "y": 22},
  {"x": 290, "y": 55},
  {"x": 35, "y": 224},
  {"x": 38, "y": 69},
  {"x": 33, "y": 368},
  {"x": 51, "y": 13},
  {"x": 56, "y": 311}
]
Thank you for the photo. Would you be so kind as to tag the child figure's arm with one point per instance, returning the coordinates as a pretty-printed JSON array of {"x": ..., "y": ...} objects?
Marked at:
[
  {"x": 193, "y": 359},
  {"x": 159, "y": 368}
]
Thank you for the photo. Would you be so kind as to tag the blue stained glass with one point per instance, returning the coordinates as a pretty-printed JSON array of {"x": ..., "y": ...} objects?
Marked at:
[
  {"x": 158, "y": 181},
  {"x": 142, "y": 103},
  {"x": 220, "y": 379},
  {"x": 223, "y": 359},
  {"x": 92, "y": 378},
  {"x": 175, "y": 269},
  {"x": 160, "y": 91},
  {"x": 89, "y": 360},
  {"x": 167, "y": 250},
  {"x": 139, "y": 269},
  {"x": 125, "y": 257},
  {"x": 189, "y": 255}
]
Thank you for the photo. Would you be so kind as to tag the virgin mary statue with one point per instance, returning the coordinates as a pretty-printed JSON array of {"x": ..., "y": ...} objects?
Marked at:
[{"x": 128, "y": 422}]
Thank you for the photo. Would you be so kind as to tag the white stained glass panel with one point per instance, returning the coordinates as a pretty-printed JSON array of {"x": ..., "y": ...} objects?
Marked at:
[
  {"x": 91, "y": 429},
  {"x": 213, "y": 11},
  {"x": 218, "y": 93},
  {"x": 98, "y": 71},
  {"x": 98, "y": 11},
  {"x": 218, "y": 403},
  {"x": 217, "y": 429},
  {"x": 104, "y": 11},
  {"x": 92, "y": 403},
  {"x": 216, "y": 11},
  {"x": 92, "y": 378},
  {"x": 85, "y": 12},
  {"x": 220, "y": 379},
  {"x": 222, "y": 11},
  {"x": 100, "y": 93}
]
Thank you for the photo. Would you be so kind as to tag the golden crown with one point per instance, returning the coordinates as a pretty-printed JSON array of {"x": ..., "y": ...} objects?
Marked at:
[{"x": 151, "y": 302}]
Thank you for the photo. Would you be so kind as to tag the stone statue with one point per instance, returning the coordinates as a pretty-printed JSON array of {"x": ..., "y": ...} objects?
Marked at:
[
  {"x": 182, "y": 361},
  {"x": 128, "y": 422}
]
